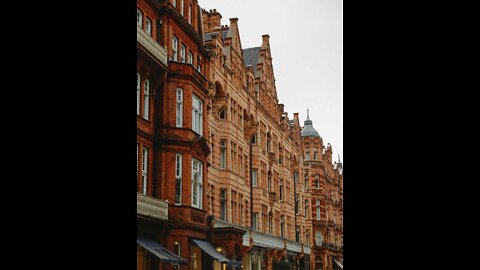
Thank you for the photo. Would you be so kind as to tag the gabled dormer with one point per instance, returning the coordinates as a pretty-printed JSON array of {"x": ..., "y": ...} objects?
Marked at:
[{"x": 260, "y": 58}]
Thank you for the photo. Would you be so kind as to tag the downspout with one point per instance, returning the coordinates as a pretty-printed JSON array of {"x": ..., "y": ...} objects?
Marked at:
[
  {"x": 251, "y": 186},
  {"x": 295, "y": 203}
]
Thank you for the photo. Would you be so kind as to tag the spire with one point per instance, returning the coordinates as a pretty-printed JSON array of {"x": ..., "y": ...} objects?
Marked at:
[
  {"x": 339, "y": 163},
  {"x": 308, "y": 122}
]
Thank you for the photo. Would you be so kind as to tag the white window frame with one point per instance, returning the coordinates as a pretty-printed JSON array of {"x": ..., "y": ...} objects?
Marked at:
[
  {"x": 197, "y": 184},
  {"x": 175, "y": 48},
  {"x": 139, "y": 18},
  {"x": 178, "y": 178},
  {"x": 148, "y": 26},
  {"x": 255, "y": 221},
  {"x": 183, "y": 50},
  {"x": 174, "y": 3},
  {"x": 254, "y": 177},
  {"x": 197, "y": 115},
  {"x": 190, "y": 58},
  {"x": 146, "y": 99},
  {"x": 144, "y": 170},
  {"x": 139, "y": 86},
  {"x": 179, "y": 107},
  {"x": 199, "y": 64},
  {"x": 182, "y": 2}
]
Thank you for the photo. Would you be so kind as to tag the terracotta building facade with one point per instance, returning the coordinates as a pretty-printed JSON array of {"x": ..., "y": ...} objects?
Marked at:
[{"x": 225, "y": 178}]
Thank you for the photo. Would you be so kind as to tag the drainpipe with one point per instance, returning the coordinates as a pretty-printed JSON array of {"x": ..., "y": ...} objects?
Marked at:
[
  {"x": 251, "y": 185},
  {"x": 295, "y": 202}
]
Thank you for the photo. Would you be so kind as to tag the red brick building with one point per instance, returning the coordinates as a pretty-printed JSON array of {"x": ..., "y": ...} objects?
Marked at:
[
  {"x": 220, "y": 163},
  {"x": 261, "y": 199},
  {"x": 172, "y": 88},
  {"x": 324, "y": 182}
]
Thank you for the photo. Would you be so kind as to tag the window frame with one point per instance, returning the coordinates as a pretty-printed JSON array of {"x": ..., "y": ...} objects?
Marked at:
[
  {"x": 148, "y": 26},
  {"x": 178, "y": 178},
  {"x": 139, "y": 23},
  {"x": 146, "y": 99},
  {"x": 255, "y": 221},
  {"x": 197, "y": 183},
  {"x": 223, "y": 204},
  {"x": 254, "y": 177},
  {"x": 179, "y": 107},
  {"x": 174, "y": 48},
  {"x": 145, "y": 151},
  {"x": 139, "y": 92},
  {"x": 197, "y": 124},
  {"x": 183, "y": 51}
]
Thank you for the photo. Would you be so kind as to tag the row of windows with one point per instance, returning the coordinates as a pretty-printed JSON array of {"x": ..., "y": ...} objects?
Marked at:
[
  {"x": 148, "y": 22},
  {"x": 197, "y": 176},
  {"x": 143, "y": 105},
  {"x": 197, "y": 112},
  {"x": 181, "y": 6},
  {"x": 238, "y": 214},
  {"x": 315, "y": 154},
  {"x": 282, "y": 228},
  {"x": 183, "y": 57}
]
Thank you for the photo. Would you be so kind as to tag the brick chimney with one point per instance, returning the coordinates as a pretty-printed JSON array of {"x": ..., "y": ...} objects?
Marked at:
[
  {"x": 211, "y": 20},
  {"x": 281, "y": 110},
  {"x": 329, "y": 153}
]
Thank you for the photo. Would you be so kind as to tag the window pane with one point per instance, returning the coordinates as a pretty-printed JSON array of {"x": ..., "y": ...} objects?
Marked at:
[{"x": 139, "y": 17}]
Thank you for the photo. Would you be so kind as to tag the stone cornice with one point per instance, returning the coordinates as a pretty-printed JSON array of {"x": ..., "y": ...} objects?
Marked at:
[{"x": 151, "y": 207}]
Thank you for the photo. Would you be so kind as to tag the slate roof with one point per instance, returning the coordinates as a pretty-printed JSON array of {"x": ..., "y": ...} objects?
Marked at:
[
  {"x": 209, "y": 36},
  {"x": 308, "y": 130},
  {"x": 250, "y": 56}
]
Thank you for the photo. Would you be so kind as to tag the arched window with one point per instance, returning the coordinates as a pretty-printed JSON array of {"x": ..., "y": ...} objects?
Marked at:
[
  {"x": 146, "y": 98},
  {"x": 139, "y": 17},
  {"x": 222, "y": 114},
  {"x": 148, "y": 26}
]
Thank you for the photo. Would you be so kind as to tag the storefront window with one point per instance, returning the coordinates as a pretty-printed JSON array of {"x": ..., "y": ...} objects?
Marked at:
[{"x": 195, "y": 259}]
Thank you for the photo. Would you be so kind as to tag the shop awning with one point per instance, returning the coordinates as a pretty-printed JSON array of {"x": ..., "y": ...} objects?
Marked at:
[
  {"x": 338, "y": 263},
  {"x": 158, "y": 250},
  {"x": 210, "y": 250}
]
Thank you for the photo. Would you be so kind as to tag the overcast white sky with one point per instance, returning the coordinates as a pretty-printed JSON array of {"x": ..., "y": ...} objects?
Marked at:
[{"x": 307, "y": 50}]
